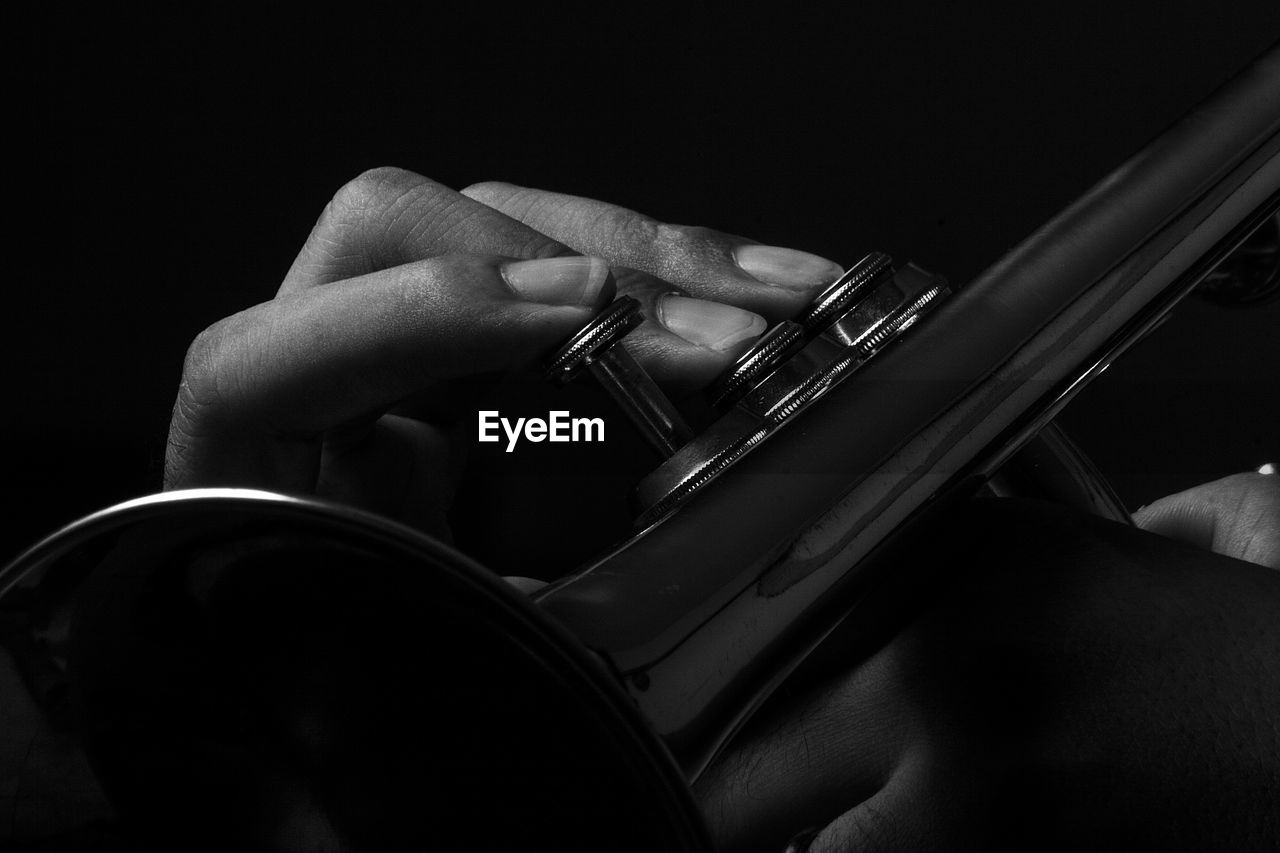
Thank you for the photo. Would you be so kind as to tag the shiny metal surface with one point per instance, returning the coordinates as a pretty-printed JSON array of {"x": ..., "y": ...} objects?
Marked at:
[
  {"x": 264, "y": 666},
  {"x": 26, "y": 569},
  {"x": 614, "y": 322},
  {"x": 1050, "y": 466},
  {"x": 779, "y": 378},
  {"x": 773, "y": 552},
  {"x": 1251, "y": 276},
  {"x": 1142, "y": 323},
  {"x": 641, "y": 400},
  {"x": 772, "y": 348},
  {"x": 598, "y": 348},
  {"x": 844, "y": 293}
]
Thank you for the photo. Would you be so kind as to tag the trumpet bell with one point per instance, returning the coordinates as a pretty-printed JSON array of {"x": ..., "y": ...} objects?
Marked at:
[{"x": 250, "y": 671}]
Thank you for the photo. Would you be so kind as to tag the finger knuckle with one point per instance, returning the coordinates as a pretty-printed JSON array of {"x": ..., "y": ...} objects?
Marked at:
[
  {"x": 198, "y": 408},
  {"x": 378, "y": 188},
  {"x": 679, "y": 250},
  {"x": 375, "y": 211},
  {"x": 1259, "y": 492},
  {"x": 627, "y": 228},
  {"x": 187, "y": 429},
  {"x": 489, "y": 192},
  {"x": 688, "y": 239},
  {"x": 203, "y": 391},
  {"x": 538, "y": 247}
]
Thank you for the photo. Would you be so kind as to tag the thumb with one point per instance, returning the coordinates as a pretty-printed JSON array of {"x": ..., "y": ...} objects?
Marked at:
[
  {"x": 916, "y": 809},
  {"x": 1237, "y": 516},
  {"x": 881, "y": 824}
]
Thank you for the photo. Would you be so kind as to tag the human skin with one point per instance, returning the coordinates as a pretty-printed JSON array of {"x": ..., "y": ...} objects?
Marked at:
[
  {"x": 1070, "y": 683},
  {"x": 404, "y": 291},
  {"x": 1064, "y": 684}
]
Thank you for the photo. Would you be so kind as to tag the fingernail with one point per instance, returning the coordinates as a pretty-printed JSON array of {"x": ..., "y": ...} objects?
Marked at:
[
  {"x": 786, "y": 267},
  {"x": 713, "y": 325},
  {"x": 558, "y": 281},
  {"x": 526, "y": 585}
]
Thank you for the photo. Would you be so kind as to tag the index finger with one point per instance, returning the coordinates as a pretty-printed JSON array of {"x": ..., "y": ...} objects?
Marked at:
[
  {"x": 773, "y": 281},
  {"x": 387, "y": 216},
  {"x": 261, "y": 388}
]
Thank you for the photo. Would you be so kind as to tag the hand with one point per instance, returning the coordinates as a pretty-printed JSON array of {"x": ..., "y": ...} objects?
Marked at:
[
  {"x": 1237, "y": 516},
  {"x": 1071, "y": 684},
  {"x": 404, "y": 290},
  {"x": 343, "y": 384}
]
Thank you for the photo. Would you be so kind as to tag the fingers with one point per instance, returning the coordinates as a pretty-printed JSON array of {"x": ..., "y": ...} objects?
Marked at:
[
  {"x": 937, "y": 799},
  {"x": 684, "y": 342},
  {"x": 261, "y": 388},
  {"x": 772, "y": 281},
  {"x": 889, "y": 822},
  {"x": 840, "y": 745},
  {"x": 387, "y": 216},
  {"x": 1238, "y": 516}
]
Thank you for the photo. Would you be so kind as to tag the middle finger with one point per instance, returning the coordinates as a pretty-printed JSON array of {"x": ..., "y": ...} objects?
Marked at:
[
  {"x": 387, "y": 217},
  {"x": 772, "y": 281}
]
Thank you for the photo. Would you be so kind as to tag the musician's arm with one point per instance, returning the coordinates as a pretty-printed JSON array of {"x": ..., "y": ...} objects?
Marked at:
[{"x": 1071, "y": 684}]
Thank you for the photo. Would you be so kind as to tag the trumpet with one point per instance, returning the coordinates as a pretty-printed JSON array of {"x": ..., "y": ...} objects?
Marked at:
[{"x": 253, "y": 663}]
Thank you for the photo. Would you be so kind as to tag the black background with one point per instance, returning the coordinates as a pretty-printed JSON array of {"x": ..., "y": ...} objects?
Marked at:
[{"x": 170, "y": 167}]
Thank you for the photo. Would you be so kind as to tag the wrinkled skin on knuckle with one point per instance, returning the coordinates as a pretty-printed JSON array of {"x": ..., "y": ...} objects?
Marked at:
[
  {"x": 372, "y": 204},
  {"x": 378, "y": 189},
  {"x": 183, "y": 439},
  {"x": 197, "y": 408},
  {"x": 497, "y": 194},
  {"x": 453, "y": 298},
  {"x": 402, "y": 216},
  {"x": 1249, "y": 518},
  {"x": 698, "y": 240},
  {"x": 1252, "y": 495},
  {"x": 463, "y": 225},
  {"x": 538, "y": 247},
  {"x": 697, "y": 256},
  {"x": 200, "y": 388},
  {"x": 226, "y": 370},
  {"x": 560, "y": 218},
  {"x": 634, "y": 233}
]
